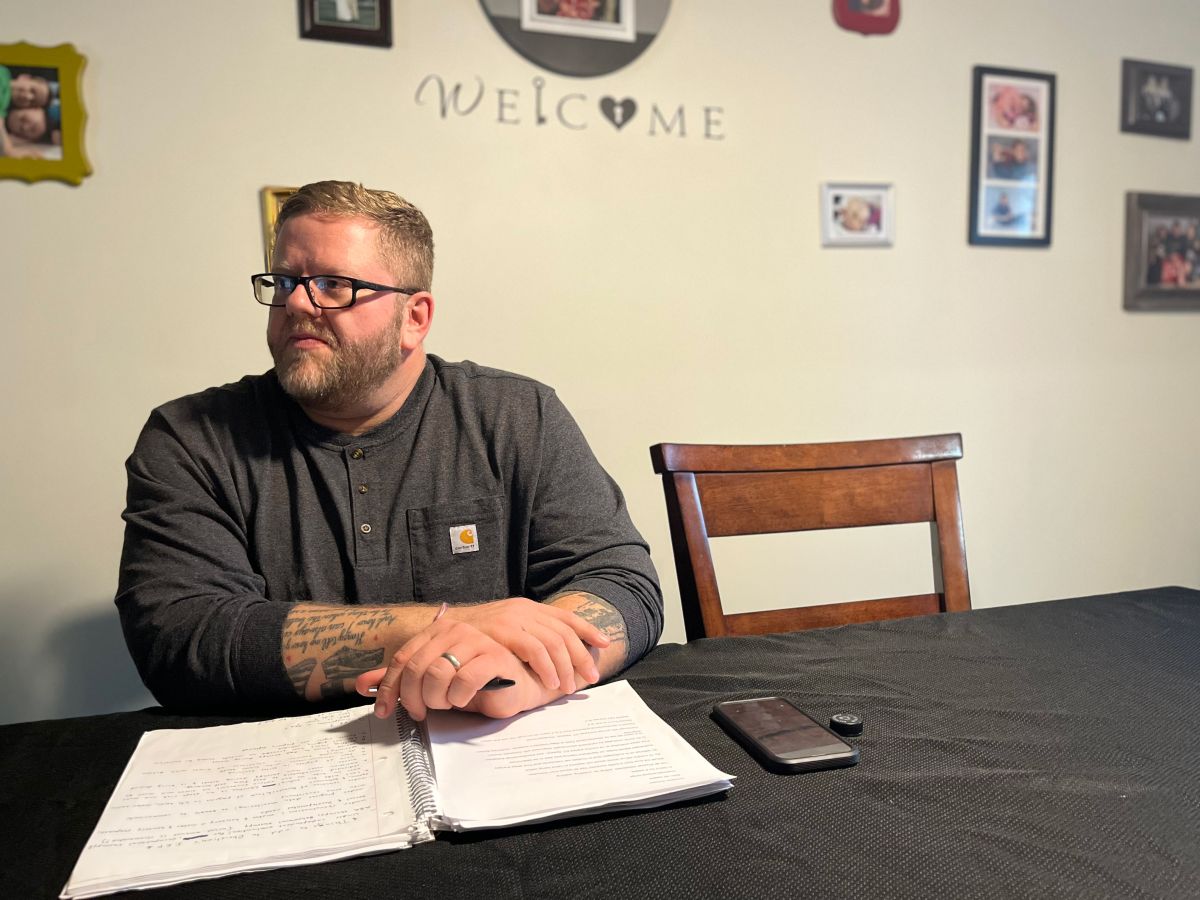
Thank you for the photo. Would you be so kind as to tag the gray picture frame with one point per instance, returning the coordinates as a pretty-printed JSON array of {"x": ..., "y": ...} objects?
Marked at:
[
  {"x": 1154, "y": 278},
  {"x": 1156, "y": 99}
]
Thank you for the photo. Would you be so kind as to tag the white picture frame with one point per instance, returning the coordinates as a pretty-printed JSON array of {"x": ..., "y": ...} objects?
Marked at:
[
  {"x": 620, "y": 26},
  {"x": 857, "y": 214}
]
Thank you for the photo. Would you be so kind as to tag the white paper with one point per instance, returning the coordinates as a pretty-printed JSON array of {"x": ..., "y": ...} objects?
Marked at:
[
  {"x": 599, "y": 749},
  {"x": 206, "y": 802},
  {"x": 211, "y": 801}
]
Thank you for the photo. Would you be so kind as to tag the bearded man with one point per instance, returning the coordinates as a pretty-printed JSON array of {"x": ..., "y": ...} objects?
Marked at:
[{"x": 366, "y": 517}]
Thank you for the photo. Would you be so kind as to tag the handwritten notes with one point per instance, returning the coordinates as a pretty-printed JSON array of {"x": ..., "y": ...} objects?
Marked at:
[{"x": 216, "y": 800}]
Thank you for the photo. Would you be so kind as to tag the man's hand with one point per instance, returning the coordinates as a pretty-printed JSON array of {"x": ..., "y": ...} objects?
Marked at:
[
  {"x": 421, "y": 677},
  {"x": 550, "y": 640}
]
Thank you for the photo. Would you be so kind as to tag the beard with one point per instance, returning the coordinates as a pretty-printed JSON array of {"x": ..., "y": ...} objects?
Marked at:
[{"x": 347, "y": 375}]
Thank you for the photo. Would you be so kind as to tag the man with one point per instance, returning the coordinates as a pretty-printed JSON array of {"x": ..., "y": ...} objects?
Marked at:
[{"x": 296, "y": 533}]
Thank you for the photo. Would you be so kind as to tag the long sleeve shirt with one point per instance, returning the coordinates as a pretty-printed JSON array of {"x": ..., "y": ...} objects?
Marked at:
[{"x": 480, "y": 487}]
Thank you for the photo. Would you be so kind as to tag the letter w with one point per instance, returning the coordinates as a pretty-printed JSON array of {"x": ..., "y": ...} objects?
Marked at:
[{"x": 448, "y": 100}]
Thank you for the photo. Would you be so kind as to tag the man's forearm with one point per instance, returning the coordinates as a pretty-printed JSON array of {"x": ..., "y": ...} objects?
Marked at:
[
  {"x": 325, "y": 648},
  {"x": 599, "y": 612}
]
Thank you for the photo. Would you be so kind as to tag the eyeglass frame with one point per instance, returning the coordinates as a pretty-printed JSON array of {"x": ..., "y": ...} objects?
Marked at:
[{"x": 356, "y": 285}]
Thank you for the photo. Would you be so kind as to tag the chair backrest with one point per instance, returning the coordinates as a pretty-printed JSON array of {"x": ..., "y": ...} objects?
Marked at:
[{"x": 718, "y": 490}]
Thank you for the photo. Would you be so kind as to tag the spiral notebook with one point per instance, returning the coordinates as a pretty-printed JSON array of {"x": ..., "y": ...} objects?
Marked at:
[{"x": 208, "y": 802}]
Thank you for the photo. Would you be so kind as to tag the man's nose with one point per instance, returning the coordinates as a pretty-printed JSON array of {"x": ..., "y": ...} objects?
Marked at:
[{"x": 299, "y": 304}]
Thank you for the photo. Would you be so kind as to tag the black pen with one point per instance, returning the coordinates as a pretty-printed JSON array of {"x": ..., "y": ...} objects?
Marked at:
[{"x": 495, "y": 684}]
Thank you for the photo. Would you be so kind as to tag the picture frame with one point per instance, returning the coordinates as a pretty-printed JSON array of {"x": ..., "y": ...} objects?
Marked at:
[
  {"x": 614, "y": 20},
  {"x": 1156, "y": 99},
  {"x": 1162, "y": 251},
  {"x": 366, "y": 22},
  {"x": 1012, "y": 158},
  {"x": 270, "y": 201},
  {"x": 43, "y": 125},
  {"x": 857, "y": 214},
  {"x": 867, "y": 17}
]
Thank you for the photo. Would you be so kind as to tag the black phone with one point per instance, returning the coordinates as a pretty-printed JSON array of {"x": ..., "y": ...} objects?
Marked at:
[{"x": 783, "y": 737}]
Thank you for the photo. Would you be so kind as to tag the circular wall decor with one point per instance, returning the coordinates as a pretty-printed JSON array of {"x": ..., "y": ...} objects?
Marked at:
[{"x": 583, "y": 38}]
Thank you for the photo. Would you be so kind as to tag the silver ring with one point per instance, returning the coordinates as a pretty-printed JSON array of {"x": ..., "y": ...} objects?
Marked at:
[{"x": 452, "y": 659}]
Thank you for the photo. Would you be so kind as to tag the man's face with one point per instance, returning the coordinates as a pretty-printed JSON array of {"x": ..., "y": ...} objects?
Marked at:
[
  {"x": 29, "y": 90},
  {"x": 335, "y": 358},
  {"x": 29, "y": 124}
]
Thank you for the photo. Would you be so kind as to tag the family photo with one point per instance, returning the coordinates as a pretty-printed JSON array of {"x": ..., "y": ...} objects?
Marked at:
[
  {"x": 605, "y": 19},
  {"x": 1172, "y": 252},
  {"x": 30, "y": 112}
]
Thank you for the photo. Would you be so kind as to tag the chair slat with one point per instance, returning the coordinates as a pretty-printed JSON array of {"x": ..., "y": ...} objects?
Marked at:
[
  {"x": 827, "y": 615},
  {"x": 767, "y": 503}
]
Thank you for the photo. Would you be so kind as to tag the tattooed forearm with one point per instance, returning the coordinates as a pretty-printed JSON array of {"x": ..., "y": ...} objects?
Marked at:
[
  {"x": 323, "y": 630},
  {"x": 326, "y": 647},
  {"x": 300, "y": 673},
  {"x": 600, "y": 613},
  {"x": 350, "y": 662}
]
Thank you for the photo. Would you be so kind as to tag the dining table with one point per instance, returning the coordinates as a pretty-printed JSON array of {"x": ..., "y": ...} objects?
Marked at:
[{"x": 1041, "y": 749}]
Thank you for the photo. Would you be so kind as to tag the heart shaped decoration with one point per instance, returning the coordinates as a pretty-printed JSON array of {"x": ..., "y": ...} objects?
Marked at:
[{"x": 619, "y": 112}]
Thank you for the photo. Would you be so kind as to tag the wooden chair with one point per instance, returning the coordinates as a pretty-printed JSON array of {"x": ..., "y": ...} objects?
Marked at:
[{"x": 717, "y": 490}]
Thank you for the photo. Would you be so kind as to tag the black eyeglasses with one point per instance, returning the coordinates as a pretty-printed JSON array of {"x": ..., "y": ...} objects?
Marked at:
[{"x": 325, "y": 291}]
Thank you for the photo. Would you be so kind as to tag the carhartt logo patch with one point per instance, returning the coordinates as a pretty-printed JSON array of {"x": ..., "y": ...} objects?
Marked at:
[{"x": 464, "y": 539}]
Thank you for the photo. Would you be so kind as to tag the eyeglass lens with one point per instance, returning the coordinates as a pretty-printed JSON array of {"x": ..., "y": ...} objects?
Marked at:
[{"x": 326, "y": 290}]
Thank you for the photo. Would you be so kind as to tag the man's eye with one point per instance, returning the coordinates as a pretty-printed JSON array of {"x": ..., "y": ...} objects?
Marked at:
[{"x": 331, "y": 285}]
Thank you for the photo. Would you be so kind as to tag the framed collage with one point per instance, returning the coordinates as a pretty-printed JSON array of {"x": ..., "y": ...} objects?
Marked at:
[{"x": 1012, "y": 158}]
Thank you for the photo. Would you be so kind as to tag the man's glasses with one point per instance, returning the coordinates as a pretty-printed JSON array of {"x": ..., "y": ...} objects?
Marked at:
[{"x": 325, "y": 291}]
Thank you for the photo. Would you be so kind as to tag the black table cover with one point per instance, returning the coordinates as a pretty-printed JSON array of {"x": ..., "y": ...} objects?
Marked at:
[{"x": 1038, "y": 750}]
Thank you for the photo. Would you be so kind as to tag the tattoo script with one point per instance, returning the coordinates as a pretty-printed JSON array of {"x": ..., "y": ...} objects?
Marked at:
[
  {"x": 343, "y": 631},
  {"x": 320, "y": 631}
]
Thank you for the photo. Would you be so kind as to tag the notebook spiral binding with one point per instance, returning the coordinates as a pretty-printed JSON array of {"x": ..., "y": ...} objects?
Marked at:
[{"x": 416, "y": 766}]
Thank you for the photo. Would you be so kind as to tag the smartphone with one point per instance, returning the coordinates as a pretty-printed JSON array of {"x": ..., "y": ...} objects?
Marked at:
[{"x": 782, "y": 737}]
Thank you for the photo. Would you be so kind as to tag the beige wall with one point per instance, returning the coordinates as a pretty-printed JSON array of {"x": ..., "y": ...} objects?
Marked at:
[{"x": 670, "y": 288}]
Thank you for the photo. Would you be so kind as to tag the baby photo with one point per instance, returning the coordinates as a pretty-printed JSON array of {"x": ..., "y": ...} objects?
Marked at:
[{"x": 30, "y": 112}]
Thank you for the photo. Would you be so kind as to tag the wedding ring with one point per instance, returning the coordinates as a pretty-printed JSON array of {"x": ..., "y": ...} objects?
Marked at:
[{"x": 452, "y": 659}]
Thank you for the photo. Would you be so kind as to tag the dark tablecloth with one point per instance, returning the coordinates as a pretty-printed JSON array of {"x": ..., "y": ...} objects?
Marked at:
[{"x": 1039, "y": 750}]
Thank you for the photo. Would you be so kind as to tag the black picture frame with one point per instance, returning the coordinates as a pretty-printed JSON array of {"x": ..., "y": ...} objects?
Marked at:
[
  {"x": 1162, "y": 252},
  {"x": 1156, "y": 99},
  {"x": 1012, "y": 158},
  {"x": 372, "y": 25}
]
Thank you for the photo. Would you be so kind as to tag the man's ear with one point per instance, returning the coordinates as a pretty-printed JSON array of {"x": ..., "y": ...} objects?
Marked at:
[{"x": 418, "y": 316}]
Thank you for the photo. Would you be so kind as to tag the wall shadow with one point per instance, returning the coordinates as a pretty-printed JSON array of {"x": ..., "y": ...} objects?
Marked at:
[{"x": 96, "y": 672}]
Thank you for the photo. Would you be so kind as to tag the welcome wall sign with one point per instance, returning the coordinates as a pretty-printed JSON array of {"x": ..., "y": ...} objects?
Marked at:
[{"x": 581, "y": 39}]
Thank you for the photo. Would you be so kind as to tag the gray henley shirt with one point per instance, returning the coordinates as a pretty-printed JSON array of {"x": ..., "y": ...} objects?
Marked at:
[{"x": 239, "y": 506}]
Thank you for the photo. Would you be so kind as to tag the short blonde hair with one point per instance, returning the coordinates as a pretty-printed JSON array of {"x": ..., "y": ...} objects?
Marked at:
[{"x": 405, "y": 235}]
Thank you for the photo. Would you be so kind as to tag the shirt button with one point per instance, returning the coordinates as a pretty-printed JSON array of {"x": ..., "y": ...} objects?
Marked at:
[
  {"x": 357, "y": 454},
  {"x": 362, "y": 488},
  {"x": 365, "y": 528}
]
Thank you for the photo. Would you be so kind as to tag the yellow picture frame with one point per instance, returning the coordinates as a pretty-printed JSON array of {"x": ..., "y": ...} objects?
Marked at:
[
  {"x": 270, "y": 199},
  {"x": 59, "y": 154}
]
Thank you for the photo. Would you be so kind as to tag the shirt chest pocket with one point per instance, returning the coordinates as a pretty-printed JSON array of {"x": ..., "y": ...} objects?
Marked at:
[{"x": 457, "y": 551}]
